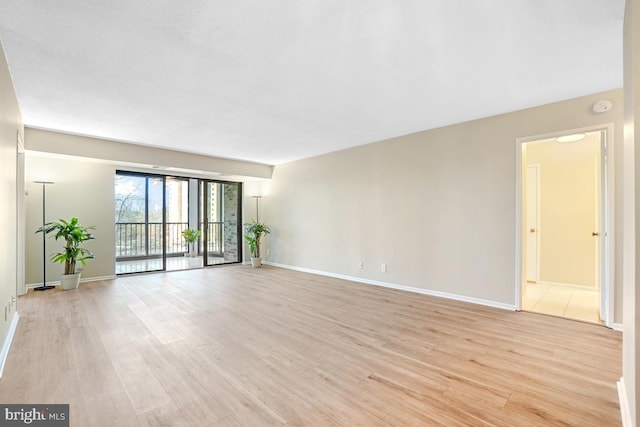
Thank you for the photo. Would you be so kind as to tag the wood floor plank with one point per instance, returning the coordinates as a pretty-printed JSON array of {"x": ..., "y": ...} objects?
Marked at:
[
  {"x": 237, "y": 346},
  {"x": 110, "y": 408}
]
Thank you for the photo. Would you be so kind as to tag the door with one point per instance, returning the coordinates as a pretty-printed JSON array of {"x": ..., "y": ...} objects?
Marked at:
[
  {"x": 139, "y": 223},
  {"x": 176, "y": 222},
  {"x": 601, "y": 227},
  {"x": 532, "y": 222}
]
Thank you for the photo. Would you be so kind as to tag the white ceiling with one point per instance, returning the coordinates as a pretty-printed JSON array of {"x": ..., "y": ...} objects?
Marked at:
[{"x": 275, "y": 81}]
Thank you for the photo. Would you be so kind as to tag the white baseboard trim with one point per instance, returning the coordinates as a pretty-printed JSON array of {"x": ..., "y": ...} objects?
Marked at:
[
  {"x": 625, "y": 411},
  {"x": 98, "y": 279},
  {"x": 399, "y": 287},
  {"x": 7, "y": 342},
  {"x": 35, "y": 285},
  {"x": 82, "y": 280},
  {"x": 617, "y": 327},
  {"x": 567, "y": 285}
]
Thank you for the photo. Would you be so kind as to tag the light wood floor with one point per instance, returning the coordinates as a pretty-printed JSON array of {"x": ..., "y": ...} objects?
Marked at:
[{"x": 235, "y": 346}]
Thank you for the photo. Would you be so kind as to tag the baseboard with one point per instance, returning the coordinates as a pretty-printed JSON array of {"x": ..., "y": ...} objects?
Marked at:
[
  {"x": 399, "y": 287},
  {"x": 625, "y": 410},
  {"x": 567, "y": 285},
  {"x": 82, "y": 280},
  {"x": 7, "y": 342},
  {"x": 35, "y": 285},
  {"x": 617, "y": 327},
  {"x": 98, "y": 279}
]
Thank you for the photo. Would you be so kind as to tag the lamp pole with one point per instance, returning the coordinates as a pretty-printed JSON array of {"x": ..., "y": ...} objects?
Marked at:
[
  {"x": 44, "y": 286},
  {"x": 257, "y": 207}
]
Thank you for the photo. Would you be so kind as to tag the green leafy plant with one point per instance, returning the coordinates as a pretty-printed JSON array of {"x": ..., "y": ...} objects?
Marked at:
[
  {"x": 253, "y": 233},
  {"x": 191, "y": 235},
  {"x": 74, "y": 235}
]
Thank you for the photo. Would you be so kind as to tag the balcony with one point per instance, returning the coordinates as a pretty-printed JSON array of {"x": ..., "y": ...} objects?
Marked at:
[{"x": 139, "y": 241}]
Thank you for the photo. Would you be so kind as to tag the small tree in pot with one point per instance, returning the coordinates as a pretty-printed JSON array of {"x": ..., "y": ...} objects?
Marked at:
[
  {"x": 74, "y": 235},
  {"x": 253, "y": 233}
]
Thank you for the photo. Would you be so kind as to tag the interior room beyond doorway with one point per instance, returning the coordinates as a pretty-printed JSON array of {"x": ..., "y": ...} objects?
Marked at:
[{"x": 562, "y": 195}]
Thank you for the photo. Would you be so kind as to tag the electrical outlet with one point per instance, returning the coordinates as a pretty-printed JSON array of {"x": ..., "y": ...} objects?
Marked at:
[
  {"x": 383, "y": 268},
  {"x": 360, "y": 265}
]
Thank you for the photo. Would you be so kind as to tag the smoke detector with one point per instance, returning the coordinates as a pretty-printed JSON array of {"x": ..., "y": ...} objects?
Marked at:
[{"x": 602, "y": 106}]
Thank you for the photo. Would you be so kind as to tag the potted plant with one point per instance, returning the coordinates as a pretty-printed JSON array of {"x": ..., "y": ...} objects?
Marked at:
[
  {"x": 191, "y": 236},
  {"x": 74, "y": 235},
  {"x": 253, "y": 233}
]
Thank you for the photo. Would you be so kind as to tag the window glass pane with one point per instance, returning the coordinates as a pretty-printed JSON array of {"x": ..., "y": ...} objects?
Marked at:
[
  {"x": 155, "y": 200},
  {"x": 130, "y": 198},
  {"x": 130, "y": 195},
  {"x": 177, "y": 204}
]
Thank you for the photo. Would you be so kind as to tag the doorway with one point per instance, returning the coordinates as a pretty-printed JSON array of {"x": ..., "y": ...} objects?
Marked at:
[{"x": 563, "y": 226}]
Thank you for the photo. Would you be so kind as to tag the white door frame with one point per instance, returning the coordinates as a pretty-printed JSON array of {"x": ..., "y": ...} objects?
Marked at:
[
  {"x": 606, "y": 218},
  {"x": 21, "y": 288},
  {"x": 537, "y": 226}
]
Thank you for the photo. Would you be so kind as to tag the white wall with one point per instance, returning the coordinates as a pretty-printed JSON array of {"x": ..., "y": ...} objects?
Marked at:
[
  {"x": 568, "y": 179},
  {"x": 10, "y": 125},
  {"x": 83, "y": 170},
  {"x": 250, "y": 189},
  {"x": 82, "y": 189},
  {"x": 114, "y": 151},
  {"x": 438, "y": 207},
  {"x": 630, "y": 338}
]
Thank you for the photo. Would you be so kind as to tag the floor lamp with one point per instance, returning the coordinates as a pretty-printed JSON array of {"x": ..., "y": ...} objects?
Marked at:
[{"x": 44, "y": 286}]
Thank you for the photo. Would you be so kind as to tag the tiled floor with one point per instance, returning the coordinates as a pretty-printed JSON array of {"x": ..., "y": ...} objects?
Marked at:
[
  {"x": 155, "y": 264},
  {"x": 572, "y": 302}
]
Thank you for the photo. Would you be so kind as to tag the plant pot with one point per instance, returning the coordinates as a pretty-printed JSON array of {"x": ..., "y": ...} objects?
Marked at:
[
  {"x": 256, "y": 262},
  {"x": 70, "y": 281},
  {"x": 192, "y": 251}
]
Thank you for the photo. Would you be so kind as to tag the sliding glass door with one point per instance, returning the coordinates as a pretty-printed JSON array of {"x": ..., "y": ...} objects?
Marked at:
[
  {"x": 139, "y": 223},
  {"x": 152, "y": 211},
  {"x": 178, "y": 256},
  {"x": 220, "y": 222}
]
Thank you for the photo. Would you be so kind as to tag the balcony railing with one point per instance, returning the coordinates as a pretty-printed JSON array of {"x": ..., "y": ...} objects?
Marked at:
[{"x": 140, "y": 239}]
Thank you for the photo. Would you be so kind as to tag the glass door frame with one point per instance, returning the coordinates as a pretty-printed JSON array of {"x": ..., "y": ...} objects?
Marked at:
[
  {"x": 163, "y": 227},
  {"x": 204, "y": 207}
]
